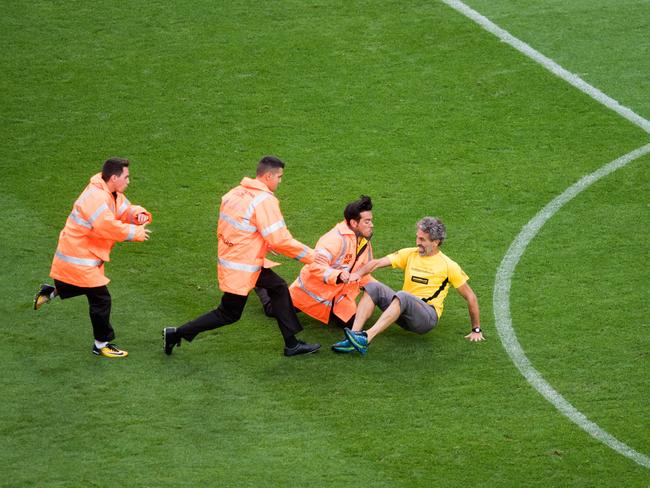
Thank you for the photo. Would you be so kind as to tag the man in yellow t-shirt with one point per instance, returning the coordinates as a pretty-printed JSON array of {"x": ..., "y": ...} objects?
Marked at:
[{"x": 428, "y": 274}]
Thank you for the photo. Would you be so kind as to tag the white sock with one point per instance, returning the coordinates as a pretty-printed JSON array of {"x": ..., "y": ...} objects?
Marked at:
[{"x": 99, "y": 345}]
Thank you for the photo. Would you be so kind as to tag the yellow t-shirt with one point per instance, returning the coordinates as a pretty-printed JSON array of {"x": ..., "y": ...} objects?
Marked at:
[{"x": 424, "y": 276}]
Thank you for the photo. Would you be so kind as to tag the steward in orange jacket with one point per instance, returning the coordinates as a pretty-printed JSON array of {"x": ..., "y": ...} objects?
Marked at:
[
  {"x": 250, "y": 224},
  {"x": 100, "y": 217},
  {"x": 322, "y": 290}
]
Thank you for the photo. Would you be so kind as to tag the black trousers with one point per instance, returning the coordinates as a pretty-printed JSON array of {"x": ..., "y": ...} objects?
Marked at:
[
  {"x": 232, "y": 306},
  {"x": 333, "y": 319},
  {"x": 99, "y": 305}
]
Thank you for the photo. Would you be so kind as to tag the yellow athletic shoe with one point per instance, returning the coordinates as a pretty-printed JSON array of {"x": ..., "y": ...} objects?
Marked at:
[
  {"x": 109, "y": 351},
  {"x": 43, "y": 295}
]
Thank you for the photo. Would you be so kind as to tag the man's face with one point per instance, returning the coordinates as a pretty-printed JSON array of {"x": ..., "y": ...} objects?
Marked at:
[
  {"x": 121, "y": 182},
  {"x": 363, "y": 227},
  {"x": 273, "y": 178},
  {"x": 426, "y": 247}
]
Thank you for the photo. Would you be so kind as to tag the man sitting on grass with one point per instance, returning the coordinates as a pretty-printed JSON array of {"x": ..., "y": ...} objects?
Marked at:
[{"x": 418, "y": 306}]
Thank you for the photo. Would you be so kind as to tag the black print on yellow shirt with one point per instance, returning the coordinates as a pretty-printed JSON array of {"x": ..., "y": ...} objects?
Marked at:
[{"x": 417, "y": 279}]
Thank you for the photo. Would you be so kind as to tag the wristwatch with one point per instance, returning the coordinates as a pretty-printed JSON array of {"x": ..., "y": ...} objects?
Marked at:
[{"x": 477, "y": 330}]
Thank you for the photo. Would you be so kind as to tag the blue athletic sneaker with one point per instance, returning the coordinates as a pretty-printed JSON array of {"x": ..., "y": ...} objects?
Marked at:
[
  {"x": 343, "y": 346},
  {"x": 359, "y": 340}
]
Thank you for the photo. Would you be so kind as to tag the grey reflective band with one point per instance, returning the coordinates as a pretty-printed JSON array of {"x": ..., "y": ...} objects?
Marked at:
[
  {"x": 302, "y": 254},
  {"x": 251, "y": 268},
  {"x": 256, "y": 201},
  {"x": 123, "y": 208},
  {"x": 273, "y": 227},
  {"x": 327, "y": 274},
  {"x": 322, "y": 300},
  {"x": 344, "y": 247},
  {"x": 237, "y": 225},
  {"x": 131, "y": 234},
  {"x": 86, "y": 193},
  {"x": 97, "y": 213},
  {"x": 325, "y": 253},
  {"x": 80, "y": 261},
  {"x": 74, "y": 215}
]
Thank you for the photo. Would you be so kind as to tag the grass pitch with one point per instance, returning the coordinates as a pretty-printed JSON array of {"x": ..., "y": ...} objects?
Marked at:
[{"x": 410, "y": 103}]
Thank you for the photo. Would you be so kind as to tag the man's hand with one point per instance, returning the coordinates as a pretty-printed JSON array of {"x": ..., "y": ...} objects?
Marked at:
[
  {"x": 475, "y": 336},
  {"x": 344, "y": 276},
  {"x": 142, "y": 218},
  {"x": 146, "y": 233},
  {"x": 354, "y": 277}
]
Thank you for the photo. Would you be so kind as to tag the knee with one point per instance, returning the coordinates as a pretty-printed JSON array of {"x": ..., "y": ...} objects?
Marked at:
[{"x": 230, "y": 316}]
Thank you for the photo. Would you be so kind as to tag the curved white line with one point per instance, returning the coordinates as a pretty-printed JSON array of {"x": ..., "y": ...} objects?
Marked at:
[
  {"x": 501, "y": 297},
  {"x": 501, "y": 304}
]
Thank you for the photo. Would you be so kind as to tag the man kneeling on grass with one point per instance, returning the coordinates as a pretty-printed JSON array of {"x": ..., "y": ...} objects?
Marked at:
[{"x": 418, "y": 306}]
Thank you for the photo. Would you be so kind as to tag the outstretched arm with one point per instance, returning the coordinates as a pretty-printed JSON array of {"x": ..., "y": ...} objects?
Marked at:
[
  {"x": 369, "y": 267},
  {"x": 472, "y": 306}
]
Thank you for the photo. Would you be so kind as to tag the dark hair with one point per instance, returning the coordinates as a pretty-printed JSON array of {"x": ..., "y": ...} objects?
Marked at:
[
  {"x": 268, "y": 163},
  {"x": 113, "y": 166},
  {"x": 353, "y": 210}
]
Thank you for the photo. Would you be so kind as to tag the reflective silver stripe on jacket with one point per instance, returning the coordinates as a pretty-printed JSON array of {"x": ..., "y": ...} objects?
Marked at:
[
  {"x": 327, "y": 274},
  {"x": 256, "y": 201},
  {"x": 344, "y": 247},
  {"x": 79, "y": 261},
  {"x": 245, "y": 226},
  {"x": 302, "y": 254},
  {"x": 131, "y": 234},
  {"x": 313, "y": 295},
  {"x": 123, "y": 208},
  {"x": 85, "y": 194},
  {"x": 97, "y": 213},
  {"x": 251, "y": 268},
  {"x": 74, "y": 215},
  {"x": 273, "y": 227},
  {"x": 325, "y": 253}
]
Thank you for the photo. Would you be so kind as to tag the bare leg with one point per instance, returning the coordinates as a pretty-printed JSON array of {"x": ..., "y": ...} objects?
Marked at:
[
  {"x": 364, "y": 311},
  {"x": 388, "y": 317}
]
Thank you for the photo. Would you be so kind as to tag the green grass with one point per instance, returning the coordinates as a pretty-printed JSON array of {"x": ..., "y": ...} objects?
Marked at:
[{"x": 410, "y": 103}]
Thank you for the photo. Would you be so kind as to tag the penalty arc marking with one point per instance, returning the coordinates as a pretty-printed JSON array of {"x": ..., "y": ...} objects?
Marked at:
[{"x": 503, "y": 280}]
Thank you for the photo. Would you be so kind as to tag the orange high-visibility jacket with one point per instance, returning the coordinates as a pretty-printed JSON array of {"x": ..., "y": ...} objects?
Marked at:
[
  {"x": 96, "y": 223},
  {"x": 250, "y": 224},
  {"x": 316, "y": 290}
]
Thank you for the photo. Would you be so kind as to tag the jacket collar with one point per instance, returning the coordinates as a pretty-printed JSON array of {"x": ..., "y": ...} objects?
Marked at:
[
  {"x": 99, "y": 182},
  {"x": 343, "y": 228},
  {"x": 255, "y": 183}
]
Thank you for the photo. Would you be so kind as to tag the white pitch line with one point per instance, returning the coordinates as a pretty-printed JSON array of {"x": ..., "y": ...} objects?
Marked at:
[
  {"x": 549, "y": 64},
  {"x": 503, "y": 280},
  {"x": 503, "y": 320}
]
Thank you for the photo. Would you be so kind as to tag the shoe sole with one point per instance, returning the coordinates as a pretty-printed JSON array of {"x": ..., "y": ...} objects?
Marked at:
[
  {"x": 41, "y": 294},
  {"x": 361, "y": 349},
  {"x": 341, "y": 350},
  {"x": 302, "y": 353},
  {"x": 39, "y": 305},
  {"x": 97, "y": 353}
]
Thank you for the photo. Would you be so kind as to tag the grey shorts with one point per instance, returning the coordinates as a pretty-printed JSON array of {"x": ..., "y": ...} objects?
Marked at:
[{"x": 416, "y": 316}]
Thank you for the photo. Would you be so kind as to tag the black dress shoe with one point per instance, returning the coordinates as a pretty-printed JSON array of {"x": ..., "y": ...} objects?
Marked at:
[
  {"x": 170, "y": 339},
  {"x": 301, "y": 348}
]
